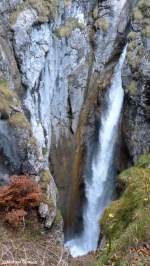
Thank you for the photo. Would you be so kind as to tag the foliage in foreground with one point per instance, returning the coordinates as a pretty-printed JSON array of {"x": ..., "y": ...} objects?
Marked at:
[
  {"x": 126, "y": 222},
  {"x": 18, "y": 198}
]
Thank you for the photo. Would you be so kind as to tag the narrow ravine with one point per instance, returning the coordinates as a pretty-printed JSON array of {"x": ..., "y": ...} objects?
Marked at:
[{"x": 99, "y": 189}]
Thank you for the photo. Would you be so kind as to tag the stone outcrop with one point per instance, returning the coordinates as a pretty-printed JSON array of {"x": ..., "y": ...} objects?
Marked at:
[
  {"x": 19, "y": 152},
  {"x": 136, "y": 82}
]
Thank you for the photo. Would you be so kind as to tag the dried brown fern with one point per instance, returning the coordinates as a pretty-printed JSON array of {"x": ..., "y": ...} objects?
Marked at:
[{"x": 20, "y": 196}]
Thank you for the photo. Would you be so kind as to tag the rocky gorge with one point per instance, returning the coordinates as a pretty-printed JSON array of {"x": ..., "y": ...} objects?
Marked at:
[{"x": 57, "y": 59}]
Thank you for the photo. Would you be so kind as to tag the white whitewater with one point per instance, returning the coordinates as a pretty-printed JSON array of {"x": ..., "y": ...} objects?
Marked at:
[{"x": 99, "y": 189}]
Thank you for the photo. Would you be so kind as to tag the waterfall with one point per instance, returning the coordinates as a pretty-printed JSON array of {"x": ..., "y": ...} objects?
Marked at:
[{"x": 99, "y": 188}]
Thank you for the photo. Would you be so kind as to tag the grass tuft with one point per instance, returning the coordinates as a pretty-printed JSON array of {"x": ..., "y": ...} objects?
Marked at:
[{"x": 126, "y": 222}]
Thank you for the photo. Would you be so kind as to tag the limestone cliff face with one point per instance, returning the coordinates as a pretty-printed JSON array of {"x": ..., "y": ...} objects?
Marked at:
[
  {"x": 136, "y": 81},
  {"x": 58, "y": 59},
  {"x": 19, "y": 152}
]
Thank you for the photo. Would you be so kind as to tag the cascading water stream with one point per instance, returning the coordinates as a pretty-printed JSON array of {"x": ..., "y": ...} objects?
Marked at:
[{"x": 99, "y": 189}]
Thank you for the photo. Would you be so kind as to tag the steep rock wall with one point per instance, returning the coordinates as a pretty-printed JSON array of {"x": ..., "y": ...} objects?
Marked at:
[
  {"x": 19, "y": 152},
  {"x": 59, "y": 58},
  {"x": 136, "y": 81}
]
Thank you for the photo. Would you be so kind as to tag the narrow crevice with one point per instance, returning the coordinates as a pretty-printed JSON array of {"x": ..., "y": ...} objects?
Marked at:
[{"x": 70, "y": 115}]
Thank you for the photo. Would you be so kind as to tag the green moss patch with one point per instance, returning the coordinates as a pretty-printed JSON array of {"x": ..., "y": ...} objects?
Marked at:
[
  {"x": 133, "y": 87},
  {"x": 144, "y": 6},
  {"x": 102, "y": 23},
  {"x": 143, "y": 161},
  {"x": 67, "y": 29},
  {"x": 19, "y": 8},
  {"x": 136, "y": 40},
  {"x": 32, "y": 142},
  {"x": 18, "y": 120},
  {"x": 95, "y": 12},
  {"x": 133, "y": 59},
  {"x": 46, "y": 9},
  {"x": 137, "y": 14},
  {"x": 132, "y": 36},
  {"x": 45, "y": 178},
  {"x": 146, "y": 31},
  {"x": 126, "y": 221},
  {"x": 58, "y": 218},
  {"x": 8, "y": 100}
]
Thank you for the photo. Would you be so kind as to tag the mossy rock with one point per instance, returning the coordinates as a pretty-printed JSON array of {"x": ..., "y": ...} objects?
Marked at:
[
  {"x": 133, "y": 59},
  {"x": 8, "y": 100},
  {"x": 67, "y": 29},
  {"x": 44, "y": 150},
  {"x": 127, "y": 220},
  {"x": 19, "y": 8},
  {"x": 133, "y": 87},
  {"x": 134, "y": 55},
  {"x": 48, "y": 201},
  {"x": 132, "y": 45},
  {"x": 67, "y": 2},
  {"x": 137, "y": 14},
  {"x": 102, "y": 23},
  {"x": 132, "y": 36},
  {"x": 46, "y": 9},
  {"x": 143, "y": 161},
  {"x": 45, "y": 178},
  {"x": 146, "y": 21},
  {"x": 144, "y": 6},
  {"x": 95, "y": 12},
  {"x": 58, "y": 218},
  {"x": 146, "y": 31},
  {"x": 32, "y": 142},
  {"x": 18, "y": 120}
]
